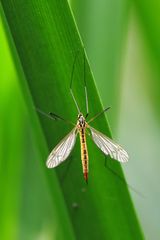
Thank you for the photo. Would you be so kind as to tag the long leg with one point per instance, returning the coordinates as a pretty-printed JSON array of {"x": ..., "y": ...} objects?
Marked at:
[
  {"x": 60, "y": 118},
  {"x": 85, "y": 85},
  {"x": 66, "y": 170},
  {"x": 121, "y": 178},
  {"x": 99, "y": 114},
  {"x": 54, "y": 116},
  {"x": 71, "y": 91}
]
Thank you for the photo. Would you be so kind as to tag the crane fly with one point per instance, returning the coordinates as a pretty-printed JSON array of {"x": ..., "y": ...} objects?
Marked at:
[{"x": 63, "y": 149}]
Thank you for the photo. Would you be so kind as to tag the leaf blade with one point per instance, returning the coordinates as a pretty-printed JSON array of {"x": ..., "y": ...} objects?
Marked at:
[{"x": 47, "y": 67}]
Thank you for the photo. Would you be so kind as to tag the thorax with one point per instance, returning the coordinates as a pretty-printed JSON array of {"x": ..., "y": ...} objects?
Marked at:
[{"x": 81, "y": 123}]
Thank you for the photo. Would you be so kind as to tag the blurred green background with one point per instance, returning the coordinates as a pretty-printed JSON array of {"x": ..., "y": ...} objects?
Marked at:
[{"x": 122, "y": 43}]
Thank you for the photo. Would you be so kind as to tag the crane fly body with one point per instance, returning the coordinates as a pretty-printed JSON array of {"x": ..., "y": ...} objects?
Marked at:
[
  {"x": 81, "y": 126},
  {"x": 61, "y": 152}
]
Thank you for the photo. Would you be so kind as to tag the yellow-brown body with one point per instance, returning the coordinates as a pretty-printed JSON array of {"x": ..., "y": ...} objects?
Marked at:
[
  {"x": 81, "y": 126},
  {"x": 84, "y": 152}
]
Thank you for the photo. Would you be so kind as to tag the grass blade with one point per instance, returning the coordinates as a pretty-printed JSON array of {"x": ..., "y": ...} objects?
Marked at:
[{"x": 47, "y": 41}]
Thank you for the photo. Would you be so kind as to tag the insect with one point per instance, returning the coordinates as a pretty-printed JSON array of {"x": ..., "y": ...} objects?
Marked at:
[{"x": 63, "y": 149}]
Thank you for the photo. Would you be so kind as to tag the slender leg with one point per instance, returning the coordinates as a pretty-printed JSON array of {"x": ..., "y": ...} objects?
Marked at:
[
  {"x": 57, "y": 117},
  {"x": 45, "y": 114},
  {"x": 85, "y": 85},
  {"x": 66, "y": 170},
  {"x": 54, "y": 116},
  {"x": 99, "y": 114},
  {"x": 121, "y": 178},
  {"x": 71, "y": 91}
]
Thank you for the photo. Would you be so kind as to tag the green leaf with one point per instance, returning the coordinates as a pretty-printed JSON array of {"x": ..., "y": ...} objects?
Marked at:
[
  {"x": 10, "y": 163},
  {"x": 47, "y": 42},
  {"x": 26, "y": 213}
]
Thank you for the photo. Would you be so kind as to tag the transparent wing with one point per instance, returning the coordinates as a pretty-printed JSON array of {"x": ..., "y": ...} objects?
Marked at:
[
  {"x": 62, "y": 150},
  {"x": 107, "y": 146}
]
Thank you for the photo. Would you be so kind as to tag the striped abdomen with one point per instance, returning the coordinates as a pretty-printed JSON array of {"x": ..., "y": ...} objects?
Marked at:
[{"x": 84, "y": 152}]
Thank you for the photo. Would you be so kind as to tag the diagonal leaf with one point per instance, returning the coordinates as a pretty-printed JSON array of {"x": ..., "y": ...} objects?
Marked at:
[
  {"x": 47, "y": 42},
  {"x": 25, "y": 212}
]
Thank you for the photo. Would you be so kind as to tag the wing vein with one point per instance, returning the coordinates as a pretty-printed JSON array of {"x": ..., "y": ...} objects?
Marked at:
[
  {"x": 62, "y": 150},
  {"x": 108, "y": 146}
]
